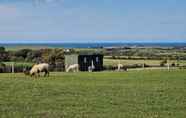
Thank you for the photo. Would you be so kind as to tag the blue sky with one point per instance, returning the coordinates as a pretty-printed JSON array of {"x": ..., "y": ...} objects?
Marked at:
[{"x": 92, "y": 20}]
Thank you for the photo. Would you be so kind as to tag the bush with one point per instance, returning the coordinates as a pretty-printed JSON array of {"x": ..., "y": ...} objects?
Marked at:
[
  {"x": 2, "y": 67},
  {"x": 109, "y": 67},
  {"x": 22, "y": 53},
  {"x": 145, "y": 65},
  {"x": 173, "y": 64},
  {"x": 163, "y": 63}
]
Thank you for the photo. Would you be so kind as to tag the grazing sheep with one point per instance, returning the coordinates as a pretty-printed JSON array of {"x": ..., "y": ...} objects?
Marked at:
[
  {"x": 73, "y": 68},
  {"x": 121, "y": 67},
  {"x": 38, "y": 68}
]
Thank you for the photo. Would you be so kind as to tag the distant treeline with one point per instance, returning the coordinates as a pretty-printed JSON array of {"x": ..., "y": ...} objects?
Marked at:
[
  {"x": 52, "y": 55},
  {"x": 29, "y": 55}
]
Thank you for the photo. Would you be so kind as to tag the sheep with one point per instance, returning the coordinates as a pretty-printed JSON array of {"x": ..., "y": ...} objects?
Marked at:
[
  {"x": 73, "y": 68},
  {"x": 121, "y": 67},
  {"x": 38, "y": 68}
]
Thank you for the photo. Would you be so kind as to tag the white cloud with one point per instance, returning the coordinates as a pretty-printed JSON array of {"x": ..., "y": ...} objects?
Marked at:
[
  {"x": 47, "y": 2},
  {"x": 7, "y": 9}
]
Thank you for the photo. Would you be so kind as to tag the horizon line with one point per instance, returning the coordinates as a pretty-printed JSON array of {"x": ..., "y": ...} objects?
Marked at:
[{"x": 83, "y": 42}]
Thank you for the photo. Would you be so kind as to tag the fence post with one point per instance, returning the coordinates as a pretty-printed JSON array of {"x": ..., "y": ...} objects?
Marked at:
[
  {"x": 168, "y": 65},
  {"x": 12, "y": 67}
]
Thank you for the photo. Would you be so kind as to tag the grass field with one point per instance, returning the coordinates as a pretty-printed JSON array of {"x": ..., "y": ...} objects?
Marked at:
[
  {"x": 131, "y": 62},
  {"x": 134, "y": 94},
  {"x": 19, "y": 63},
  {"x": 16, "y": 48}
]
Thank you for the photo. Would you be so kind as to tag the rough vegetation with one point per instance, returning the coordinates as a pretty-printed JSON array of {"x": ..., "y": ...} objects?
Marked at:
[{"x": 25, "y": 58}]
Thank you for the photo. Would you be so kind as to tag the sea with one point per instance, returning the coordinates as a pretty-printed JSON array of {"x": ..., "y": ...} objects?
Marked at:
[{"x": 92, "y": 45}]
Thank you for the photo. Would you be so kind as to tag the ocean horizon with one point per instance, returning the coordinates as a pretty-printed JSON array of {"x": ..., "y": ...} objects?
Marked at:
[{"x": 97, "y": 45}]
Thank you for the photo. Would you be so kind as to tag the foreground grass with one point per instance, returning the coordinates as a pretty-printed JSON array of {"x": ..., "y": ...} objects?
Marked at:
[{"x": 136, "y": 94}]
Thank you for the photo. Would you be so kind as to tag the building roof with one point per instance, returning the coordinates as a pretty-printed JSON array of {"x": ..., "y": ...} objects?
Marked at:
[{"x": 85, "y": 53}]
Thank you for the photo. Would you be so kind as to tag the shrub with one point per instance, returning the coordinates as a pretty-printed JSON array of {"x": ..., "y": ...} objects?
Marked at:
[
  {"x": 162, "y": 63},
  {"x": 173, "y": 64},
  {"x": 109, "y": 67}
]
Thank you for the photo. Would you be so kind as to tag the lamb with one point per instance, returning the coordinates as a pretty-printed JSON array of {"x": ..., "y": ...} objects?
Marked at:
[{"x": 38, "y": 68}]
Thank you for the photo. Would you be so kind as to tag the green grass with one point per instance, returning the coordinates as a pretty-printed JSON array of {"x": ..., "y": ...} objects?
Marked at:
[
  {"x": 16, "y": 48},
  {"x": 134, "y": 94},
  {"x": 131, "y": 62},
  {"x": 19, "y": 63}
]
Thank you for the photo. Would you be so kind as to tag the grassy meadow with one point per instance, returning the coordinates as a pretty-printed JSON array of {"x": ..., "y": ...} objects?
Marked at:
[
  {"x": 19, "y": 63},
  {"x": 15, "y": 48},
  {"x": 132, "y": 61},
  {"x": 133, "y": 94}
]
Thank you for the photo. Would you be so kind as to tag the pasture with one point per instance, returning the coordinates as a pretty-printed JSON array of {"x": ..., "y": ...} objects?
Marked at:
[
  {"x": 132, "y": 61},
  {"x": 133, "y": 94},
  {"x": 19, "y": 63}
]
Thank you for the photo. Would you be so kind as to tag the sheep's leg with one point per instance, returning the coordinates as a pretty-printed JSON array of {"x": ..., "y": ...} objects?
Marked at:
[
  {"x": 35, "y": 75},
  {"x": 48, "y": 73},
  {"x": 45, "y": 73},
  {"x": 38, "y": 74},
  {"x": 67, "y": 70},
  {"x": 118, "y": 68}
]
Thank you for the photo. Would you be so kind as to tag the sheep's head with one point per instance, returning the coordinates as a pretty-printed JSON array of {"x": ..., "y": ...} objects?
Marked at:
[{"x": 26, "y": 71}]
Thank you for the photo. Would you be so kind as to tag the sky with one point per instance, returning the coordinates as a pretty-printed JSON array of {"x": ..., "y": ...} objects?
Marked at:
[{"x": 92, "y": 21}]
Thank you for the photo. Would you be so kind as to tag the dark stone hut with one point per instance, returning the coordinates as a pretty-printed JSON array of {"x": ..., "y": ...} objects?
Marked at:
[{"x": 85, "y": 61}]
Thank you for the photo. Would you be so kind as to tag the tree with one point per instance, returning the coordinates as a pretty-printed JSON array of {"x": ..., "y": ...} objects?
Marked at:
[
  {"x": 22, "y": 53},
  {"x": 34, "y": 56},
  {"x": 4, "y": 56},
  {"x": 2, "y": 49}
]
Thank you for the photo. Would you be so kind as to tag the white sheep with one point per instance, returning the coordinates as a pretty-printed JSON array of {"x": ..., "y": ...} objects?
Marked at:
[
  {"x": 73, "y": 68},
  {"x": 38, "y": 68}
]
